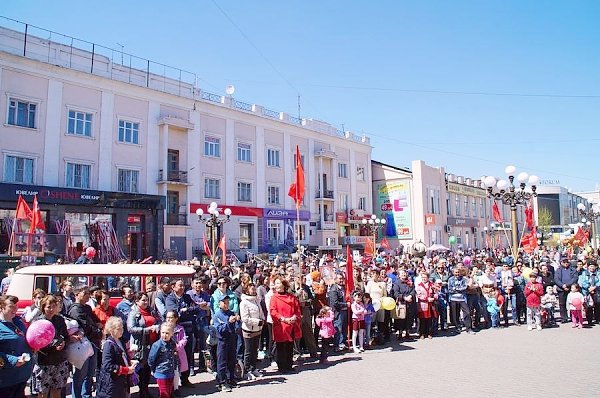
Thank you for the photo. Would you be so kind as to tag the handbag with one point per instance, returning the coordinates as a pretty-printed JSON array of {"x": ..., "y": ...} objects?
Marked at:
[
  {"x": 400, "y": 311},
  {"x": 247, "y": 334},
  {"x": 78, "y": 352}
]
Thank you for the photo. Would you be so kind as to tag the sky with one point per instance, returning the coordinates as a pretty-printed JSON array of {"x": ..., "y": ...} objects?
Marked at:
[{"x": 471, "y": 86}]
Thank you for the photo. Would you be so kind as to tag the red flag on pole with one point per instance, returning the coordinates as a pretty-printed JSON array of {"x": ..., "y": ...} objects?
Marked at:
[
  {"x": 385, "y": 244},
  {"x": 529, "y": 215},
  {"x": 580, "y": 236},
  {"x": 529, "y": 241},
  {"x": 349, "y": 273},
  {"x": 496, "y": 213},
  {"x": 296, "y": 190},
  {"x": 369, "y": 247},
  {"x": 23, "y": 210},
  {"x": 36, "y": 218},
  {"x": 206, "y": 248},
  {"x": 223, "y": 247}
]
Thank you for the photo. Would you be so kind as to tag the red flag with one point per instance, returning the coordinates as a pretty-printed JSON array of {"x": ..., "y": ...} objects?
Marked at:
[
  {"x": 206, "y": 248},
  {"x": 587, "y": 237},
  {"x": 36, "y": 218},
  {"x": 369, "y": 247},
  {"x": 349, "y": 272},
  {"x": 296, "y": 190},
  {"x": 223, "y": 246},
  {"x": 496, "y": 213},
  {"x": 23, "y": 210},
  {"x": 580, "y": 236},
  {"x": 529, "y": 215},
  {"x": 385, "y": 244},
  {"x": 529, "y": 241}
]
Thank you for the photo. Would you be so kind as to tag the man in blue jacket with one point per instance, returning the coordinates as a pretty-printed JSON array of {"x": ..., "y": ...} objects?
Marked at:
[
  {"x": 590, "y": 282},
  {"x": 564, "y": 277}
]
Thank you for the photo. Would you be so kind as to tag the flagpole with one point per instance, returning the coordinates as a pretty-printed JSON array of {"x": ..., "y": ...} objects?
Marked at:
[
  {"x": 12, "y": 238},
  {"x": 298, "y": 227}
]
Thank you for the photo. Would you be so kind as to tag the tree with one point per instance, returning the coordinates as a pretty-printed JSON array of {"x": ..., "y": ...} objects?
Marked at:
[{"x": 544, "y": 222}]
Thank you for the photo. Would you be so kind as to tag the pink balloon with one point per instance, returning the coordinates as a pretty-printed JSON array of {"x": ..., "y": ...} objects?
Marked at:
[
  {"x": 467, "y": 261},
  {"x": 90, "y": 252},
  {"x": 576, "y": 302},
  {"x": 39, "y": 334}
]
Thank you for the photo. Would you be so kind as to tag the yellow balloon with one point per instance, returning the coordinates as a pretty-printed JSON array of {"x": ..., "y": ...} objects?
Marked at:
[{"x": 388, "y": 303}]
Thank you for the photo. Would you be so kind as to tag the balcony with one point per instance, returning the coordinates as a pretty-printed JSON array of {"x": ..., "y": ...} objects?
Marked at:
[
  {"x": 173, "y": 177},
  {"x": 324, "y": 153},
  {"x": 176, "y": 219},
  {"x": 324, "y": 195}
]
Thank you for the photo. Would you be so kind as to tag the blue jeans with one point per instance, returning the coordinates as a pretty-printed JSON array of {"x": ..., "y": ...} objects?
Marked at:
[
  {"x": 341, "y": 327},
  {"x": 494, "y": 317},
  {"x": 82, "y": 378}
]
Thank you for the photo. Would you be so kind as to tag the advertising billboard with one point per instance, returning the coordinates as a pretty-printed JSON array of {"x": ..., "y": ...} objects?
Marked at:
[{"x": 393, "y": 203}]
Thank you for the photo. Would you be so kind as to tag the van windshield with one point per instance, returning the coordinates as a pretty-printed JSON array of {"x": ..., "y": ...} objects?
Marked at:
[{"x": 112, "y": 284}]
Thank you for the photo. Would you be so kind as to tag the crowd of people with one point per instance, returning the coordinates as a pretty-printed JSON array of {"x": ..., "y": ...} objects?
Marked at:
[{"x": 235, "y": 320}]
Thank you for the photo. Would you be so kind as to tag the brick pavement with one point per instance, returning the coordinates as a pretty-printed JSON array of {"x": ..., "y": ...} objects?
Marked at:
[{"x": 510, "y": 362}]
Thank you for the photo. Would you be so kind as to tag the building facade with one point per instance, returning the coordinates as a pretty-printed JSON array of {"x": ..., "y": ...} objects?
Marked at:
[{"x": 158, "y": 148}]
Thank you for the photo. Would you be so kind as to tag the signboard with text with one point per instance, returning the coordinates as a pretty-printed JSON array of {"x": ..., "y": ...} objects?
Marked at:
[{"x": 393, "y": 203}]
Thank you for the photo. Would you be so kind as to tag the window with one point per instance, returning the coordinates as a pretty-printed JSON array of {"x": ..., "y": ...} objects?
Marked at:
[
  {"x": 274, "y": 233},
  {"x": 447, "y": 203},
  {"x": 212, "y": 188},
  {"x": 172, "y": 202},
  {"x": 273, "y": 157},
  {"x": 246, "y": 236},
  {"x": 343, "y": 203},
  {"x": 362, "y": 203},
  {"x": 466, "y": 206},
  {"x": 301, "y": 227},
  {"x": 128, "y": 180},
  {"x": 129, "y": 132},
  {"x": 212, "y": 146},
  {"x": 79, "y": 123},
  {"x": 18, "y": 169},
  {"x": 360, "y": 173},
  {"x": 433, "y": 201},
  {"x": 78, "y": 175},
  {"x": 457, "y": 202},
  {"x": 273, "y": 195},
  {"x": 342, "y": 170},
  {"x": 474, "y": 206},
  {"x": 301, "y": 161},
  {"x": 244, "y": 192},
  {"x": 21, "y": 113},
  {"x": 481, "y": 208},
  {"x": 244, "y": 153}
]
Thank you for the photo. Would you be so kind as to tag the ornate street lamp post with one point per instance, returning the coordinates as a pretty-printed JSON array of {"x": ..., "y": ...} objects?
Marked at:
[
  {"x": 213, "y": 221},
  {"x": 374, "y": 224},
  {"x": 590, "y": 216},
  {"x": 510, "y": 195}
]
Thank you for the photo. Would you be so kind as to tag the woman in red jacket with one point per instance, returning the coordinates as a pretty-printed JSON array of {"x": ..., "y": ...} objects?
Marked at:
[{"x": 285, "y": 311}]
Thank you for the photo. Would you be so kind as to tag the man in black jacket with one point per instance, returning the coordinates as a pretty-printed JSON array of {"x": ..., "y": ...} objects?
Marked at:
[
  {"x": 339, "y": 306},
  {"x": 564, "y": 277},
  {"x": 90, "y": 324},
  {"x": 180, "y": 302}
]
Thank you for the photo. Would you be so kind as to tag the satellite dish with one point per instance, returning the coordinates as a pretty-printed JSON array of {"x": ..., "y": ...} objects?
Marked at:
[{"x": 230, "y": 89}]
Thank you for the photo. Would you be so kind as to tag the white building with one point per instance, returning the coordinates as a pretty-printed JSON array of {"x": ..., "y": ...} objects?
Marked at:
[{"x": 144, "y": 147}]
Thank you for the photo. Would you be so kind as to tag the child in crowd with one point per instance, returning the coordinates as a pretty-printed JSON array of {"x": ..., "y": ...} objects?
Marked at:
[
  {"x": 180, "y": 341},
  {"x": 358, "y": 322},
  {"x": 163, "y": 361},
  {"x": 370, "y": 312},
  {"x": 549, "y": 303},
  {"x": 492, "y": 307},
  {"x": 534, "y": 291},
  {"x": 326, "y": 330},
  {"x": 575, "y": 305},
  {"x": 226, "y": 322}
]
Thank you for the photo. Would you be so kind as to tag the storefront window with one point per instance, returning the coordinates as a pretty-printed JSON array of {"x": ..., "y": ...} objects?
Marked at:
[
  {"x": 79, "y": 223},
  {"x": 246, "y": 236}
]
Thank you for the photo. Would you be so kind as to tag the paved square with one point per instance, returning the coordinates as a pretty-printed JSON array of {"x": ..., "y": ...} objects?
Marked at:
[{"x": 512, "y": 362}]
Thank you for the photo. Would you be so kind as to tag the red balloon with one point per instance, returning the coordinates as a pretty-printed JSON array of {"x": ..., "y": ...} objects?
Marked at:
[
  {"x": 90, "y": 252},
  {"x": 39, "y": 334}
]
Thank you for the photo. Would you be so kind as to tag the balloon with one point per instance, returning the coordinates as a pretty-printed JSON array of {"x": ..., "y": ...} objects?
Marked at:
[
  {"x": 452, "y": 239},
  {"x": 39, "y": 334},
  {"x": 388, "y": 303},
  {"x": 90, "y": 252},
  {"x": 576, "y": 302},
  {"x": 467, "y": 261}
]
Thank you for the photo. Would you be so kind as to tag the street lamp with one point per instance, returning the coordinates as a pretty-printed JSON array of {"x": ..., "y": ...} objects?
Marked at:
[
  {"x": 213, "y": 221},
  {"x": 590, "y": 217},
  {"x": 374, "y": 224},
  {"x": 508, "y": 194}
]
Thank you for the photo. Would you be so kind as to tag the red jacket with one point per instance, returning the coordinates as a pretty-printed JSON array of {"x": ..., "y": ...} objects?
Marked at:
[
  {"x": 285, "y": 306},
  {"x": 534, "y": 292}
]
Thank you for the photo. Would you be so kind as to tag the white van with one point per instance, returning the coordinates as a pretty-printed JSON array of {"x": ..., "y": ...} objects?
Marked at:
[{"x": 108, "y": 276}]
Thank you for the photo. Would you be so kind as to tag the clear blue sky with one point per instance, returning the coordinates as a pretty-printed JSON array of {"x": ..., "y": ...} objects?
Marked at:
[{"x": 471, "y": 86}]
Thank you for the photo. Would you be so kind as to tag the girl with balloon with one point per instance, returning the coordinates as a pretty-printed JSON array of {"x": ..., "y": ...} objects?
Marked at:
[
  {"x": 15, "y": 354},
  {"x": 51, "y": 372}
]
